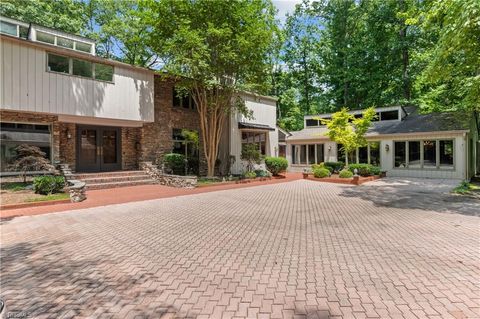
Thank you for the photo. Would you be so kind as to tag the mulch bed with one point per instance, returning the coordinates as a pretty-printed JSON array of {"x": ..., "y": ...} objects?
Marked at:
[{"x": 335, "y": 179}]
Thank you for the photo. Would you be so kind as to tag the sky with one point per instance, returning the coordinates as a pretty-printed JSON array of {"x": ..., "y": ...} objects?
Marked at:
[{"x": 284, "y": 7}]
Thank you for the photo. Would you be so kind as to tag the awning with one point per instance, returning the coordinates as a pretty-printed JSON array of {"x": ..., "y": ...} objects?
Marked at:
[{"x": 255, "y": 126}]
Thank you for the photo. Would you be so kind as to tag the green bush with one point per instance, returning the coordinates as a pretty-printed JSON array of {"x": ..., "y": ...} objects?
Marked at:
[
  {"x": 322, "y": 165},
  {"x": 175, "y": 162},
  {"x": 276, "y": 165},
  {"x": 321, "y": 172},
  {"x": 250, "y": 175},
  {"x": 364, "y": 169},
  {"x": 345, "y": 173},
  {"x": 261, "y": 173},
  {"x": 48, "y": 184},
  {"x": 335, "y": 166}
]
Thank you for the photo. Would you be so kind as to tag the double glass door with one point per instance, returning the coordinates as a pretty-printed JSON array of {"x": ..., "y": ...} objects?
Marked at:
[{"x": 98, "y": 149}]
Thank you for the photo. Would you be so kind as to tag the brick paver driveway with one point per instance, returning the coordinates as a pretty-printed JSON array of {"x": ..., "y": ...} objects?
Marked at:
[{"x": 296, "y": 249}]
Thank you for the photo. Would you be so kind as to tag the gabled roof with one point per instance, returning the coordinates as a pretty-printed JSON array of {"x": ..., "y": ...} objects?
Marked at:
[{"x": 413, "y": 123}]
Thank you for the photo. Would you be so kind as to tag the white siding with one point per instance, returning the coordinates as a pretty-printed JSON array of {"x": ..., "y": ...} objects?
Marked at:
[
  {"x": 264, "y": 112},
  {"x": 27, "y": 86}
]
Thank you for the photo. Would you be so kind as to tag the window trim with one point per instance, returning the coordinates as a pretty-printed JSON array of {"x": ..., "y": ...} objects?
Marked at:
[
  {"x": 259, "y": 143},
  {"x": 70, "y": 67},
  {"x": 437, "y": 167}
]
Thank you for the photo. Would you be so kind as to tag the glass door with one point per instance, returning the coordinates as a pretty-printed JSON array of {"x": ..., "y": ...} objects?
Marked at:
[{"x": 98, "y": 149}]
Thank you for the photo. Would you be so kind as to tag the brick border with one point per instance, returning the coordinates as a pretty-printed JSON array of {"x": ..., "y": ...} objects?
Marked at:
[{"x": 359, "y": 180}]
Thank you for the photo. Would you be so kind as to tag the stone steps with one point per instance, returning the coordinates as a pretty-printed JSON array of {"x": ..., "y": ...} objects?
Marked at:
[{"x": 116, "y": 179}]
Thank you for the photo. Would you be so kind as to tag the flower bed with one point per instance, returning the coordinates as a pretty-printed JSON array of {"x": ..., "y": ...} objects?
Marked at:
[{"x": 356, "y": 180}]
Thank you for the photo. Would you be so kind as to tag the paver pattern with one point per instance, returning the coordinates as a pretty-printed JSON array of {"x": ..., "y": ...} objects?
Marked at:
[{"x": 300, "y": 249}]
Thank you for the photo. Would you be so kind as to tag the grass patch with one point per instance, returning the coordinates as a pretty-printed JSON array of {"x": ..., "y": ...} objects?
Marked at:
[
  {"x": 57, "y": 196},
  {"x": 14, "y": 186},
  {"x": 465, "y": 188},
  {"x": 214, "y": 180}
]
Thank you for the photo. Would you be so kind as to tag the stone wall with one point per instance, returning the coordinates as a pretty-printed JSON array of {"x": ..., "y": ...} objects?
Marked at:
[
  {"x": 68, "y": 142},
  {"x": 156, "y": 137},
  {"x": 168, "y": 179}
]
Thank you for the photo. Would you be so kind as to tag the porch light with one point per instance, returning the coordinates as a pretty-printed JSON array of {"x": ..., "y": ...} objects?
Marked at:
[
  {"x": 69, "y": 135},
  {"x": 387, "y": 147},
  {"x": 329, "y": 148}
]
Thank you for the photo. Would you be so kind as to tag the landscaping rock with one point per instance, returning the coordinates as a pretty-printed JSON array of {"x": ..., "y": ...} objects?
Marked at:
[{"x": 168, "y": 179}]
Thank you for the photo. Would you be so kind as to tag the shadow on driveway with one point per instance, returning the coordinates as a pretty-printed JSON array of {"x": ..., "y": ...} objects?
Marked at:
[{"x": 425, "y": 194}]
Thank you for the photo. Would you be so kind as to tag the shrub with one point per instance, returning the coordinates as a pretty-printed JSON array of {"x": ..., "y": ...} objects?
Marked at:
[
  {"x": 48, "y": 184},
  {"x": 250, "y": 175},
  {"x": 276, "y": 165},
  {"x": 251, "y": 154},
  {"x": 364, "y": 169},
  {"x": 336, "y": 166},
  {"x": 321, "y": 172},
  {"x": 29, "y": 158},
  {"x": 261, "y": 173},
  {"x": 345, "y": 173},
  {"x": 175, "y": 162}
]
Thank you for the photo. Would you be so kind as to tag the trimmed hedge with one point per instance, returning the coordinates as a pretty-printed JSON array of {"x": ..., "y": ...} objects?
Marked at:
[
  {"x": 345, "y": 173},
  {"x": 322, "y": 165},
  {"x": 321, "y": 172},
  {"x": 364, "y": 169},
  {"x": 276, "y": 165},
  {"x": 48, "y": 184}
]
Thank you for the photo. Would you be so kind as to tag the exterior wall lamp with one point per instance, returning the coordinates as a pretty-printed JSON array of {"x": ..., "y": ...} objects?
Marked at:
[{"x": 387, "y": 147}]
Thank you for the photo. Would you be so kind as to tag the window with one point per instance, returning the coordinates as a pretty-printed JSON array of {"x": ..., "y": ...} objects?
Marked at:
[
  {"x": 45, "y": 37},
  {"x": 23, "y": 32},
  {"x": 320, "y": 150},
  {"x": 82, "y": 68},
  {"x": 429, "y": 154},
  {"x": 311, "y": 154},
  {"x": 307, "y": 154},
  {"x": 400, "y": 154},
  {"x": 363, "y": 155},
  {"x": 58, "y": 63},
  {"x": 258, "y": 138},
  {"x": 8, "y": 28},
  {"x": 14, "y": 134},
  {"x": 84, "y": 47},
  {"x": 389, "y": 115},
  {"x": 446, "y": 153},
  {"x": 436, "y": 154},
  {"x": 311, "y": 122},
  {"x": 414, "y": 154},
  {"x": 65, "y": 43},
  {"x": 183, "y": 99},
  {"x": 103, "y": 72},
  {"x": 374, "y": 153}
]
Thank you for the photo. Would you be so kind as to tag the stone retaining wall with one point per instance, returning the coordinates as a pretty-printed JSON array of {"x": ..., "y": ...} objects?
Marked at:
[{"x": 167, "y": 179}]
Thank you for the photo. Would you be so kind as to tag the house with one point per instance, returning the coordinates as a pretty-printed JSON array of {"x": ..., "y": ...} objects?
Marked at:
[
  {"x": 403, "y": 142},
  {"x": 99, "y": 115}
]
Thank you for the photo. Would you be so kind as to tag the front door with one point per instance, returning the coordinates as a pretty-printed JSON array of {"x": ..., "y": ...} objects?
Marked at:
[{"x": 98, "y": 149}]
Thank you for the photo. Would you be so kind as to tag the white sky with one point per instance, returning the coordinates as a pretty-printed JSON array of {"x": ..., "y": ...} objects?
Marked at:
[{"x": 284, "y": 7}]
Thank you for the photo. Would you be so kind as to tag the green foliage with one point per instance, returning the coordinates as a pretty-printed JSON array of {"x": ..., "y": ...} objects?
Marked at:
[
  {"x": 250, "y": 174},
  {"x": 349, "y": 131},
  {"x": 364, "y": 169},
  {"x": 14, "y": 186},
  {"x": 466, "y": 188},
  {"x": 322, "y": 165},
  {"x": 48, "y": 184},
  {"x": 335, "y": 166},
  {"x": 29, "y": 158},
  {"x": 49, "y": 197},
  {"x": 64, "y": 15},
  {"x": 175, "y": 162},
  {"x": 262, "y": 173},
  {"x": 276, "y": 165},
  {"x": 320, "y": 172},
  {"x": 450, "y": 78},
  {"x": 345, "y": 173},
  {"x": 251, "y": 154}
]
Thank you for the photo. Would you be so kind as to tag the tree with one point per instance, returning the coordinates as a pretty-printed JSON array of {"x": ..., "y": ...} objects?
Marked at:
[
  {"x": 29, "y": 158},
  {"x": 450, "y": 77},
  {"x": 349, "y": 131},
  {"x": 65, "y": 15},
  {"x": 251, "y": 154},
  {"x": 216, "y": 48}
]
